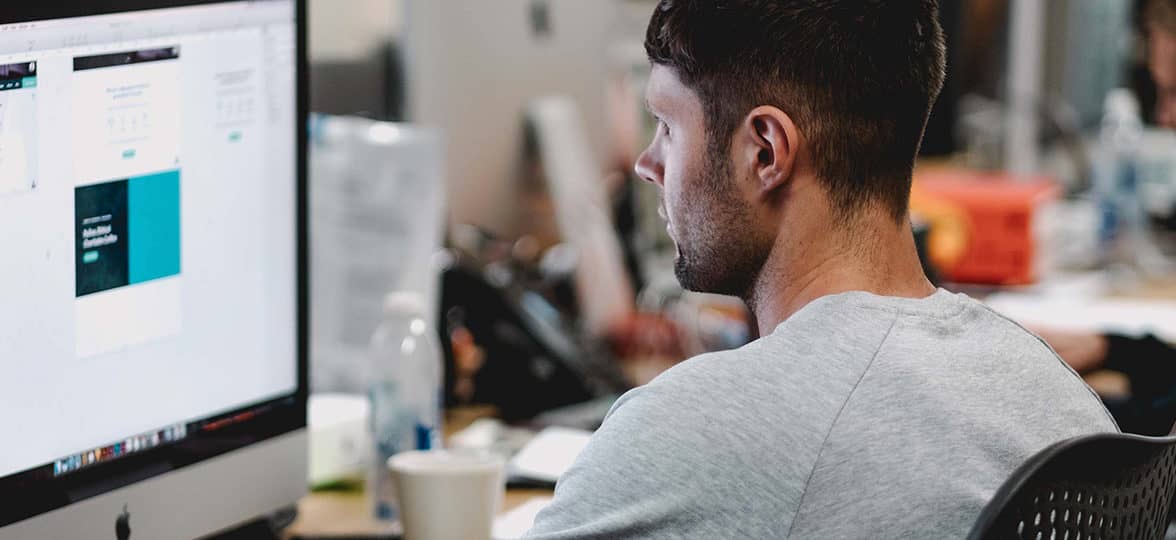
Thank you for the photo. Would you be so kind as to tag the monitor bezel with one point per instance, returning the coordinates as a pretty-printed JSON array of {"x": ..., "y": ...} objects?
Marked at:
[{"x": 37, "y": 491}]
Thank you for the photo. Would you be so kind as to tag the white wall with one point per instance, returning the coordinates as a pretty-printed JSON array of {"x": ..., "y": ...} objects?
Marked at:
[
  {"x": 350, "y": 29},
  {"x": 473, "y": 67}
]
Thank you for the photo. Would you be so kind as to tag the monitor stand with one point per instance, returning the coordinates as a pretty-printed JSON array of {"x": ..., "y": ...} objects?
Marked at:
[{"x": 262, "y": 528}]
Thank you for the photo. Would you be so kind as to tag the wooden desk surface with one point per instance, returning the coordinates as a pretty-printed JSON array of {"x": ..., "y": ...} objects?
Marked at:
[{"x": 347, "y": 513}]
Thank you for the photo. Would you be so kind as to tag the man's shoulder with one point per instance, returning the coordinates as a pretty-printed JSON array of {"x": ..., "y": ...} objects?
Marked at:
[
  {"x": 686, "y": 385},
  {"x": 975, "y": 367},
  {"x": 763, "y": 387},
  {"x": 815, "y": 340},
  {"x": 699, "y": 368},
  {"x": 980, "y": 334}
]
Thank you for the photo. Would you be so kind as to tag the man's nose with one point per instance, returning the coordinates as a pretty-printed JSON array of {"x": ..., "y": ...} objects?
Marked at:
[{"x": 648, "y": 168}]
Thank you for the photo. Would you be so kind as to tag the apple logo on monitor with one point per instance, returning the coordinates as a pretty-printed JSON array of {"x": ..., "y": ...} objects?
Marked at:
[{"x": 122, "y": 525}]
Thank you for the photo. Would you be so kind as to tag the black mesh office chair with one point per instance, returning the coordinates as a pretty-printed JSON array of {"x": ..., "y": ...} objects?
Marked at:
[{"x": 1098, "y": 486}]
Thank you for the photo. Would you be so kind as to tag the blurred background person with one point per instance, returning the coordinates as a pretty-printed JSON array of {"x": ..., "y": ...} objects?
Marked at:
[
  {"x": 1161, "y": 31},
  {"x": 1148, "y": 362}
]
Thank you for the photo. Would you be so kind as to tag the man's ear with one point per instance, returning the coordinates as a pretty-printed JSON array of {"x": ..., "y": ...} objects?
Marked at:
[{"x": 770, "y": 144}]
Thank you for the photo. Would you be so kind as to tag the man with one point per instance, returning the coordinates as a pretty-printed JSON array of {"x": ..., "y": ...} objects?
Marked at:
[
  {"x": 873, "y": 405},
  {"x": 1161, "y": 29}
]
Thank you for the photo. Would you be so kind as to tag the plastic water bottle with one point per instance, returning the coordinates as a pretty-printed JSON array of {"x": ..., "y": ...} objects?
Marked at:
[
  {"x": 1115, "y": 181},
  {"x": 405, "y": 390}
]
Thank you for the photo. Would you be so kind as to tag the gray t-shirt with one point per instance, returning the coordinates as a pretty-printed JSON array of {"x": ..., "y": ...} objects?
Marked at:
[{"x": 860, "y": 416}]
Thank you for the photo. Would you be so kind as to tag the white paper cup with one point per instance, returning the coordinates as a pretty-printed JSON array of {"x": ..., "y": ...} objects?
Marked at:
[{"x": 446, "y": 494}]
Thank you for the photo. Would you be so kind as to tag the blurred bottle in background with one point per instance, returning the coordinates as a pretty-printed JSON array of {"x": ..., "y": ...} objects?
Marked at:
[
  {"x": 405, "y": 390},
  {"x": 1124, "y": 240}
]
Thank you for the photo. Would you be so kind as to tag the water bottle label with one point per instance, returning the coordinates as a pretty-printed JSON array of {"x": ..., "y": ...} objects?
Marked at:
[{"x": 424, "y": 437}]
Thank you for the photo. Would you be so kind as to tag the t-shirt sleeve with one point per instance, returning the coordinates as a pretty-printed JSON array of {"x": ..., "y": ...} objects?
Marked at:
[{"x": 633, "y": 480}]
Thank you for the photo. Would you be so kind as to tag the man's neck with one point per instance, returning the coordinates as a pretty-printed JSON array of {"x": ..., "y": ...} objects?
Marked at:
[{"x": 882, "y": 261}]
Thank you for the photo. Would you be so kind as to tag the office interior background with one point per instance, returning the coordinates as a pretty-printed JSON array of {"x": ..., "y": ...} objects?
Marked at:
[
  {"x": 555, "y": 291},
  {"x": 471, "y": 162},
  {"x": 1006, "y": 201}
]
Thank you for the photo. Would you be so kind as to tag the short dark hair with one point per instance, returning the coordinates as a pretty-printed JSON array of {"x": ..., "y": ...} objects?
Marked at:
[
  {"x": 1161, "y": 15},
  {"x": 858, "y": 77}
]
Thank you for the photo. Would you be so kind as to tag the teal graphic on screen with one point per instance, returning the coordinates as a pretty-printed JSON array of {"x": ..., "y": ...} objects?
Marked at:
[{"x": 127, "y": 232}]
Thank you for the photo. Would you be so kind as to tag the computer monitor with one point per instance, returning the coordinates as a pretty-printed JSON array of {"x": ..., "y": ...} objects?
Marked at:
[{"x": 152, "y": 276}]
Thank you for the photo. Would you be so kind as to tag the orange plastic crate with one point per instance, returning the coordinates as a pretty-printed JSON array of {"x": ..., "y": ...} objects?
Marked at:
[{"x": 981, "y": 223}]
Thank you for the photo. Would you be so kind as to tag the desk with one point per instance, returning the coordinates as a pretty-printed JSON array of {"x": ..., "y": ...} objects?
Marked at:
[
  {"x": 1082, "y": 303},
  {"x": 338, "y": 513}
]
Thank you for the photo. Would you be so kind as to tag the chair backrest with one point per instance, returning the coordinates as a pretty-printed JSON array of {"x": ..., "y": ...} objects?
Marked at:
[{"x": 1096, "y": 486}]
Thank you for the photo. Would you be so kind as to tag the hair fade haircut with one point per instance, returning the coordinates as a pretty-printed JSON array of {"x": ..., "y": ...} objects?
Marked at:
[
  {"x": 1161, "y": 15},
  {"x": 858, "y": 77}
]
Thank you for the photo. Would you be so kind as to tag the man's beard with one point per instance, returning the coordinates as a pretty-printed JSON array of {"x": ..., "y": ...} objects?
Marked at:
[{"x": 718, "y": 251}]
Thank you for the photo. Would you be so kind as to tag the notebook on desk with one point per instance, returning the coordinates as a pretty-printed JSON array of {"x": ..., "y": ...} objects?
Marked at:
[{"x": 547, "y": 456}]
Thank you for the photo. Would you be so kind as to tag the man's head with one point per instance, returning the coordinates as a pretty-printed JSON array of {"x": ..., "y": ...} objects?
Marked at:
[
  {"x": 1161, "y": 27},
  {"x": 769, "y": 108}
]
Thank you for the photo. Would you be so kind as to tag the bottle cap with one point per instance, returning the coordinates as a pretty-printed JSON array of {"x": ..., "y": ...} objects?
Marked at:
[{"x": 1121, "y": 103}]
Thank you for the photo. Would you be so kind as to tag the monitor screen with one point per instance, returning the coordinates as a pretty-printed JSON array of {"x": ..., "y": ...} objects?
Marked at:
[{"x": 151, "y": 278}]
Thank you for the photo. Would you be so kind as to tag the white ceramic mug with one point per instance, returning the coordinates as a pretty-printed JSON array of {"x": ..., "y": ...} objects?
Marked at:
[{"x": 448, "y": 494}]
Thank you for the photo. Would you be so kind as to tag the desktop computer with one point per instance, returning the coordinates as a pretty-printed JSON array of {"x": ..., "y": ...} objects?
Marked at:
[{"x": 153, "y": 277}]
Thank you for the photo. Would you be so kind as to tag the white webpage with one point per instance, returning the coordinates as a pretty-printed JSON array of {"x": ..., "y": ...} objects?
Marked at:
[{"x": 147, "y": 210}]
